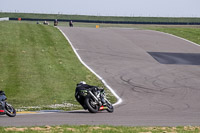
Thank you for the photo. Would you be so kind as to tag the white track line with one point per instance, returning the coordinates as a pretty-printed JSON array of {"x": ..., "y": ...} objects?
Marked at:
[{"x": 119, "y": 100}]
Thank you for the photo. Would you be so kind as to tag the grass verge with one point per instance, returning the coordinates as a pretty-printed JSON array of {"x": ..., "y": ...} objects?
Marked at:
[
  {"x": 104, "y": 129},
  {"x": 38, "y": 67}
]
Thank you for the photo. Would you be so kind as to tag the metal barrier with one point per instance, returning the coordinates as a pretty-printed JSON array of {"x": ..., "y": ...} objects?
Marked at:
[
  {"x": 4, "y": 19},
  {"x": 111, "y": 22}
]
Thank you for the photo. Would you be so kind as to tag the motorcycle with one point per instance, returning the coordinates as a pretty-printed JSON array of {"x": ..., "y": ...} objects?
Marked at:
[
  {"x": 92, "y": 100},
  {"x": 5, "y": 107}
]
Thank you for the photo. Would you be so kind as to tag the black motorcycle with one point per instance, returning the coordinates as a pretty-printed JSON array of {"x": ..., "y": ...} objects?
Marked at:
[
  {"x": 91, "y": 100},
  {"x": 6, "y": 108}
]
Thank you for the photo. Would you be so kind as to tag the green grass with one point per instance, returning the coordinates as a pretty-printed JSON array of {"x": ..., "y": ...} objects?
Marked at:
[
  {"x": 100, "y": 18},
  {"x": 100, "y": 129},
  {"x": 38, "y": 66}
]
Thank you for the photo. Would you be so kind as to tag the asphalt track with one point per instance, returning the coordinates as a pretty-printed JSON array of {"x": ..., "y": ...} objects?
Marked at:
[{"x": 156, "y": 90}]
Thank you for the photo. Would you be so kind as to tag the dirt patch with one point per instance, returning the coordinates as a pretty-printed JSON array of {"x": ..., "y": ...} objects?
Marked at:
[
  {"x": 16, "y": 129},
  {"x": 94, "y": 128},
  {"x": 71, "y": 129},
  {"x": 102, "y": 128},
  {"x": 46, "y": 128},
  {"x": 37, "y": 129}
]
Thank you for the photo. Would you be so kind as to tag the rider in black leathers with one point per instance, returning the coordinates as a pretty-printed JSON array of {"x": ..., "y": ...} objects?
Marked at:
[
  {"x": 2, "y": 104},
  {"x": 82, "y": 86}
]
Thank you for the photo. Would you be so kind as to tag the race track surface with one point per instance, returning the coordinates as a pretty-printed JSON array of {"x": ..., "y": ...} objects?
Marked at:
[{"x": 156, "y": 90}]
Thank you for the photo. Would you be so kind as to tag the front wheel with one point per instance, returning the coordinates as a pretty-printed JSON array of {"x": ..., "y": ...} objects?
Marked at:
[
  {"x": 110, "y": 108},
  {"x": 91, "y": 104},
  {"x": 10, "y": 111}
]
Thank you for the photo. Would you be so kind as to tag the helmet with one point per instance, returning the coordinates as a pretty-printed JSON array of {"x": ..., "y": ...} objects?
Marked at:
[{"x": 82, "y": 82}]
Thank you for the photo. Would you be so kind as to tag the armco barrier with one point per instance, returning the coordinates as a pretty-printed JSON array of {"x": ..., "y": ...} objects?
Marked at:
[{"x": 110, "y": 22}]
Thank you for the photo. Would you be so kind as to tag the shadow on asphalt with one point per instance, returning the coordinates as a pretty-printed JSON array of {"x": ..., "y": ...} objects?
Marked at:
[
  {"x": 77, "y": 112},
  {"x": 82, "y": 112}
]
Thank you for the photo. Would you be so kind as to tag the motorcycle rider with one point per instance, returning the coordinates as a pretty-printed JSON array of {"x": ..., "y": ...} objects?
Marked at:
[
  {"x": 1, "y": 107},
  {"x": 82, "y": 86},
  {"x": 70, "y": 24},
  {"x": 6, "y": 108},
  {"x": 55, "y": 22}
]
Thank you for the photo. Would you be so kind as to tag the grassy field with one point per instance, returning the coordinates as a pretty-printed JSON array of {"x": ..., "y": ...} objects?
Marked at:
[
  {"x": 100, "y": 129},
  {"x": 100, "y": 18},
  {"x": 38, "y": 66}
]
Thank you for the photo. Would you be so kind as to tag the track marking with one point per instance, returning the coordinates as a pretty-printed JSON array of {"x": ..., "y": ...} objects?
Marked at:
[
  {"x": 27, "y": 112},
  {"x": 38, "y": 112}
]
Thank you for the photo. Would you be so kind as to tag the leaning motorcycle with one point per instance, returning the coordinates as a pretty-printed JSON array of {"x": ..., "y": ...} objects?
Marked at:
[
  {"x": 91, "y": 100},
  {"x": 6, "y": 108}
]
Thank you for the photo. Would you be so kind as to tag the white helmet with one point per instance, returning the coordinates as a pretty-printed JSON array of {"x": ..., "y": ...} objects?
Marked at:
[{"x": 82, "y": 82}]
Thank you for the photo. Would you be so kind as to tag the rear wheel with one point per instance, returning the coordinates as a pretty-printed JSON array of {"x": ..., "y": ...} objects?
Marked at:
[
  {"x": 91, "y": 104},
  {"x": 10, "y": 111}
]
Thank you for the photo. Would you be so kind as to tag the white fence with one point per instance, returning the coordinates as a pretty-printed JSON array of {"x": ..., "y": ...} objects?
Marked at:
[{"x": 4, "y": 19}]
